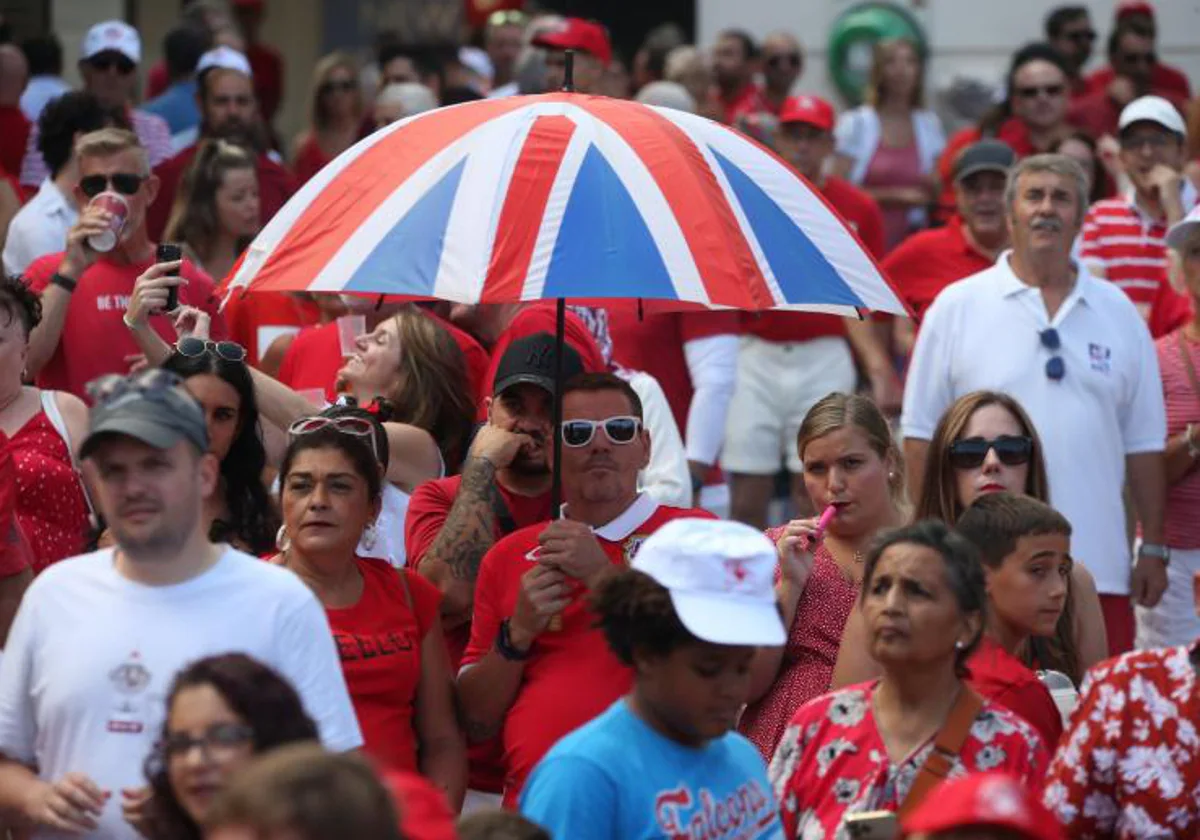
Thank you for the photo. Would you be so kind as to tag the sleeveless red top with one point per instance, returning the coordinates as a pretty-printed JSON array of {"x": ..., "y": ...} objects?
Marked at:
[{"x": 51, "y": 509}]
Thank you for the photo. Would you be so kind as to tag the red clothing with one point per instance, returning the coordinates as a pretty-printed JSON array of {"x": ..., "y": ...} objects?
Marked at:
[
  {"x": 571, "y": 675},
  {"x": 51, "y": 509},
  {"x": 809, "y": 654},
  {"x": 1165, "y": 81},
  {"x": 833, "y": 761},
  {"x": 13, "y": 559},
  {"x": 1131, "y": 248},
  {"x": 257, "y": 319},
  {"x": 747, "y": 101},
  {"x": 309, "y": 159},
  {"x": 379, "y": 644},
  {"x": 313, "y": 359},
  {"x": 654, "y": 343},
  {"x": 1098, "y": 115},
  {"x": 424, "y": 813},
  {"x": 95, "y": 340},
  {"x": 538, "y": 318},
  {"x": 861, "y": 213},
  {"x": 275, "y": 187},
  {"x": 929, "y": 261},
  {"x": 157, "y": 79},
  {"x": 1012, "y": 132},
  {"x": 997, "y": 675},
  {"x": 267, "y": 67},
  {"x": 14, "y": 134},
  {"x": 1181, "y": 525},
  {"x": 1128, "y": 766}
]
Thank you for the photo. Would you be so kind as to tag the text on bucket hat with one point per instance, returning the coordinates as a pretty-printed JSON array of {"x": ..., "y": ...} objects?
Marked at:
[
  {"x": 151, "y": 406},
  {"x": 112, "y": 36},
  {"x": 720, "y": 576}
]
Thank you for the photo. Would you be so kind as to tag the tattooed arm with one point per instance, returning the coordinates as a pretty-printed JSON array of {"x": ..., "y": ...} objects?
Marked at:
[{"x": 452, "y": 561}]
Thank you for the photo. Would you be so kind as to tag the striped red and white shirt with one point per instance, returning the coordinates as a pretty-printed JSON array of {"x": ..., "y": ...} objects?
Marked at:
[
  {"x": 1181, "y": 524},
  {"x": 1128, "y": 248},
  {"x": 152, "y": 131}
]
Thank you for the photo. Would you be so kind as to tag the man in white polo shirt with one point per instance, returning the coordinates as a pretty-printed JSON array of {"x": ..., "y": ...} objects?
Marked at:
[{"x": 1078, "y": 356}]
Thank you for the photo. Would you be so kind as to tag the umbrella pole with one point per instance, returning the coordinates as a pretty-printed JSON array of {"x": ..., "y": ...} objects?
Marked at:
[
  {"x": 560, "y": 328},
  {"x": 569, "y": 71}
]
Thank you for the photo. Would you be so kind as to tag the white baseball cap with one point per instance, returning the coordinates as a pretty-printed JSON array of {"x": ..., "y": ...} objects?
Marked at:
[
  {"x": 1153, "y": 109},
  {"x": 224, "y": 58},
  {"x": 1181, "y": 230},
  {"x": 720, "y": 576},
  {"x": 112, "y": 36}
]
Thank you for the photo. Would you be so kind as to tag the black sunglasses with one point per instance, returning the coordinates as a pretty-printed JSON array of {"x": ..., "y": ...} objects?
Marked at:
[
  {"x": 970, "y": 453},
  {"x": 1149, "y": 59},
  {"x": 619, "y": 430},
  {"x": 123, "y": 182},
  {"x": 341, "y": 87},
  {"x": 1056, "y": 368},
  {"x": 1033, "y": 91},
  {"x": 191, "y": 348},
  {"x": 791, "y": 59},
  {"x": 104, "y": 63}
]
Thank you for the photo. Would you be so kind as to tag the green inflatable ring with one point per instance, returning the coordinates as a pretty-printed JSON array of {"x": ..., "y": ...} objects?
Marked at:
[{"x": 853, "y": 36}]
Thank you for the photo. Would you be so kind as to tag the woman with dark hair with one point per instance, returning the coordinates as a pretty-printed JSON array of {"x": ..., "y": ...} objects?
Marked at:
[
  {"x": 1082, "y": 148},
  {"x": 240, "y": 512},
  {"x": 385, "y": 620},
  {"x": 230, "y": 706},
  {"x": 867, "y": 747},
  {"x": 687, "y": 618}
]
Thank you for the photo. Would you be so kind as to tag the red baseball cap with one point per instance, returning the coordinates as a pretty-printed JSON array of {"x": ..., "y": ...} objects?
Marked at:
[
  {"x": 1134, "y": 7},
  {"x": 811, "y": 110},
  {"x": 984, "y": 799},
  {"x": 577, "y": 34}
]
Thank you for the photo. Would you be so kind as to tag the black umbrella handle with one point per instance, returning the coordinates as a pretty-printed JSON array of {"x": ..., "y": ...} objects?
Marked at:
[
  {"x": 560, "y": 328},
  {"x": 569, "y": 71}
]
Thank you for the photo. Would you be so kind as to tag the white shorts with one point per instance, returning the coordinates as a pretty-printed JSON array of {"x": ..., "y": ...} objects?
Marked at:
[
  {"x": 777, "y": 383},
  {"x": 1173, "y": 621}
]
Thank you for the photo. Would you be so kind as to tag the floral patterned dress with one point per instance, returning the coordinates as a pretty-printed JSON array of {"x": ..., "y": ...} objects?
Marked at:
[
  {"x": 1129, "y": 764},
  {"x": 832, "y": 761}
]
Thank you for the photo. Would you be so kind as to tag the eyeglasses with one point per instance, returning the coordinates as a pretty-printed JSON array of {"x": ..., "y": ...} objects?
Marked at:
[
  {"x": 192, "y": 348},
  {"x": 790, "y": 59},
  {"x": 1056, "y": 368},
  {"x": 619, "y": 430},
  {"x": 969, "y": 453},
  {"x": 1149, "y": 59},
  {"x": 346, "y": 86},
  {"x": 506, "y": 17},
  {"x": 120, "y": 63},
  {"x": 358, "y": 427},
  {"x": 126, "y": 183},
  {"x": 218, "y": 737},
  {"x": 1136, "y": 142},
  {"x": 1034, "y": 91}
]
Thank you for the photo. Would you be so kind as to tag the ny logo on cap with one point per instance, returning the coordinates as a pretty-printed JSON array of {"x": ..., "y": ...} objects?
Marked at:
[{"x": 540, "y": 357}]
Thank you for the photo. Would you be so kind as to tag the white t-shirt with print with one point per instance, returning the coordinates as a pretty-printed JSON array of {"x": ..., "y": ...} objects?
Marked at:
[{"x": 92, "y": 655}]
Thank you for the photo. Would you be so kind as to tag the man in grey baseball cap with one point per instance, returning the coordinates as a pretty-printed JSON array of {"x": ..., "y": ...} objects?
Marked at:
[{"x": 152, "y": 408}]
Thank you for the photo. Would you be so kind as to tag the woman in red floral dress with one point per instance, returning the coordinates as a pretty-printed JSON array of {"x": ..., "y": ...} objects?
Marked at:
[{"x": 860, "y": 749}]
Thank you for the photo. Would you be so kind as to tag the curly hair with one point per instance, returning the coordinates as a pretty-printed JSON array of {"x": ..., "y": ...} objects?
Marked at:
[
  {"x": 259, "y": 696},
  {"x": 252, "y": 516},
  {"x": 19, "y": 302},
  {"x": 636, "y": 613},
  {"x": 75, "y": 112}
]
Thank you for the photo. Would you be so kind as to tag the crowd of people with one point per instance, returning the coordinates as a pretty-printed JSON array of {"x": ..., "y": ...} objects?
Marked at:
[{"x": 284, "y": 565}]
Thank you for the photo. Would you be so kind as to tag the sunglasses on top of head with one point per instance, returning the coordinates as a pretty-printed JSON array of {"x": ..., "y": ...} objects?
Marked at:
[
  {"x": 970, "y": 453},
  {"x": 619, "y": 430},
  {"x": 191, "y": 348},
  {"x": 125, "y": 183}
]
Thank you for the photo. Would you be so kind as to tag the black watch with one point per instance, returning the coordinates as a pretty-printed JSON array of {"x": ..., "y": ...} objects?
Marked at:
[
  {"x": 62, "y": 281},
  {"x": 505, "y": 647}
]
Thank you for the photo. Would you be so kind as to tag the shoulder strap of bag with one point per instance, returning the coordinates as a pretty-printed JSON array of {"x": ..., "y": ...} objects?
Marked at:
[
  {"x": 50, "y": 407},
  {"x": 946, "y": 747},
  {"x": 1187, "y": 363}
]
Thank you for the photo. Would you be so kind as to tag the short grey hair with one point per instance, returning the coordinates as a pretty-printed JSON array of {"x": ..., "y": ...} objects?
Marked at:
[
  {"x": 1055, "y": 164},
  {"x": 667, "y": 95}
]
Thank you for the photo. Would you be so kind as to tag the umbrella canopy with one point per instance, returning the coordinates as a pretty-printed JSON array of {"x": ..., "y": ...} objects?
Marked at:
[{"x": 566, "y": 195}]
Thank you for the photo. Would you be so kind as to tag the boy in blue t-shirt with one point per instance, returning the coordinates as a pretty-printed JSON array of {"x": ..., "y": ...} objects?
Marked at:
[{"x": 664, "y": 761}]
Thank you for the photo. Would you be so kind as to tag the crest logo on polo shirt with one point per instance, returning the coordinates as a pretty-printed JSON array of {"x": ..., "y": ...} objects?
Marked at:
[
  {"x": 1100, "y": 357},
  {"x": 632, "y": 546}
]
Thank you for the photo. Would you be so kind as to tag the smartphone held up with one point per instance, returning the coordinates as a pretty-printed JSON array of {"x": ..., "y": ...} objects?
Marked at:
[{"x": 169, "y": 252}]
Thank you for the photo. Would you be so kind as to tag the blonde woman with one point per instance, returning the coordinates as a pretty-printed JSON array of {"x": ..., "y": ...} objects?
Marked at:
[
  {"x": 890, "y": 144},
  {"x": 336, "y": 116}
]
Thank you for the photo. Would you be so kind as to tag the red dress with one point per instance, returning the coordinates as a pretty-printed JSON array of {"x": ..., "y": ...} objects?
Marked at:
[
  {"x": 832, "y": 760},
  {"x": 809, "y": 654},
  {"x": 51, "y": 509},
  {"x": 309, "y": 159},
  {"x": 1129, "y": 765},
  {"x": 379, "y": 643}
]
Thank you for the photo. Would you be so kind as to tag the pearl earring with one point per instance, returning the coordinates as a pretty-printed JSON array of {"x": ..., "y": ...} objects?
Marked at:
[{"x": 282, "y": 541}]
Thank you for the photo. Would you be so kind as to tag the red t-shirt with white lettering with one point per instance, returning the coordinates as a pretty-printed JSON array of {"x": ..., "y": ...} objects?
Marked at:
[
  {"x": 571, "y": 675},
  {"x": 861, "y": 212},
  {"x": 379, "y": 644},
  {"x": 95, "y": 340}
]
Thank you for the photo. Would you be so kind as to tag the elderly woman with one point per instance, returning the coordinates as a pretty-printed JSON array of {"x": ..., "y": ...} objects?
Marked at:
[
  {"x": 1173, "y": 621},
  {"x": 385, "y": 620},
  {"x": 867, "y": 747},
  {"x": 850, "y": 462}
]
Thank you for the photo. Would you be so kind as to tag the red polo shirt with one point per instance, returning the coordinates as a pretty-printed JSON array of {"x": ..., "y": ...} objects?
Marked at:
[
  {"x": 275, "y": 187},
  {"x": 929, "y": 261},
  {"x": 861, "y": 213},
  {"x": 571, "y": 675},
  {"x": 1000, "y": 677}
]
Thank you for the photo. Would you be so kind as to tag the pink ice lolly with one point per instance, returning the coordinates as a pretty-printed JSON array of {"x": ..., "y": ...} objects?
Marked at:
[{"x": 826, "y": 517}]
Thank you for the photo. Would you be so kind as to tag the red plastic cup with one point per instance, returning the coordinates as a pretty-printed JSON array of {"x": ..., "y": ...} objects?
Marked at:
[{"x": 118, "y": 209}]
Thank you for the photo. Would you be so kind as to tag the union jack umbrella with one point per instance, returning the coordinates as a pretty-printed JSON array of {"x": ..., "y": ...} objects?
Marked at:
[{"x": 565, "y": 195}]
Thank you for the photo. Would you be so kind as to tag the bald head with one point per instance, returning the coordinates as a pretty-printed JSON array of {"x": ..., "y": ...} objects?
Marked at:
[{"x": 14, "y": 73}]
